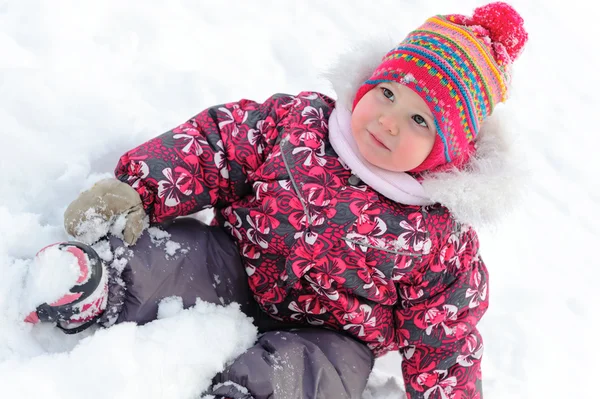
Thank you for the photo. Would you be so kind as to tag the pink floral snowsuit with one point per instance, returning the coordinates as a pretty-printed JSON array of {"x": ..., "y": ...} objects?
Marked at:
[{"x": 319, "y": 246}]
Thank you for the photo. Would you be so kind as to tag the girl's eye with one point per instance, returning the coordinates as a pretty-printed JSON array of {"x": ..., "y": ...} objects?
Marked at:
[
  {"x": 420, "y": 120},
  {"x": 388, "y": 93}
]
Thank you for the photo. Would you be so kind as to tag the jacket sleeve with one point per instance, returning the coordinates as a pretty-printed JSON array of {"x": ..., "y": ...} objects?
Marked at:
[
  {"x": 208, "y": 161},
  {"x": 441, "y": 305}
]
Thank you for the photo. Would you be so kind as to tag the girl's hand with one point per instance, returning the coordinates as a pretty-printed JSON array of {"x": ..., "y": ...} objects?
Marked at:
[{"x": 100, "y": 210}]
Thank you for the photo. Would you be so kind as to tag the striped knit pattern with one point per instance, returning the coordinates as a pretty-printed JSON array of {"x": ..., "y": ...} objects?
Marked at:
[{"x": 453, "y": 69}]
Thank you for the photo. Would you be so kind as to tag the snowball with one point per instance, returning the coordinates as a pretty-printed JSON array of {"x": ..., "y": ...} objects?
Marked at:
[
  {"x": 169, "y": 307},
  {"x": 51, "y": 275}
]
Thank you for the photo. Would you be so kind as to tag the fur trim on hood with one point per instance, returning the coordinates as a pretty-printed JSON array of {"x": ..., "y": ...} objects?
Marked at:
[{"x": 480, "y": 193}]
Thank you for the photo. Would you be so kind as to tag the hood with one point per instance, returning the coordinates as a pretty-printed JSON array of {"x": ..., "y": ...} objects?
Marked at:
[{"x": 481, "y": 192}]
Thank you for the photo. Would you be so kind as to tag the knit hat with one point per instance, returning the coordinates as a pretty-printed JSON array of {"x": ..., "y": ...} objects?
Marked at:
[{"x": 460, "y": 66}]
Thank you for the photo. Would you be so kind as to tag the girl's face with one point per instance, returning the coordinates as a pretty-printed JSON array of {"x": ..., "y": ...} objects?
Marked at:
[{"x": 393, "y": 127}]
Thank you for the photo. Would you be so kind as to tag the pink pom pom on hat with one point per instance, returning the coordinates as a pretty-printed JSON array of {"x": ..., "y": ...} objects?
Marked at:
[{"x": 460, "y": 66}]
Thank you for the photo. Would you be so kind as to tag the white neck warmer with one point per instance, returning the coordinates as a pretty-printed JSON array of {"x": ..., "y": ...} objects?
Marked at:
[{"x": 397, "y": 186}]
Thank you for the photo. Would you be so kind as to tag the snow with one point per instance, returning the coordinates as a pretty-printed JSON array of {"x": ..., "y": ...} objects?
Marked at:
[
  {"x": 81, "y": 82},
  {"x": 170, "y": 306},
  {"x": 95, "y": 226},
  {"x": 230, "y": 383},
  {"x": 172, "y": 357},
  {"x": 49, "y": 276},
  {"x": 160, "y": 237}
]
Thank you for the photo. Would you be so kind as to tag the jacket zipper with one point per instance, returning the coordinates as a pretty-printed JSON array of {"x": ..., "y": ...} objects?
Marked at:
[
  {"x": 362, "y": 244},
  {"x": 296, "y": 189}
]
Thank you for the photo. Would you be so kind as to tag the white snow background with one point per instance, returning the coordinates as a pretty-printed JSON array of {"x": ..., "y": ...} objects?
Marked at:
[{"x": 83, "y": 81}]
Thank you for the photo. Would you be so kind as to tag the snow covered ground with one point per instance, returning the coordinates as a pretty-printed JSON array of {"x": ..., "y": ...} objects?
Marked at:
[{"x": 83, "y": 81}]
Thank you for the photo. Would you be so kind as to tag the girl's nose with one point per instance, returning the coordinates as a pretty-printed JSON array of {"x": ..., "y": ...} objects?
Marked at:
[{"x": 389, "y": 124}]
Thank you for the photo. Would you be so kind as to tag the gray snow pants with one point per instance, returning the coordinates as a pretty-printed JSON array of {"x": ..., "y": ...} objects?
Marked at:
[
  {"x": 298, "y": 364},
  {"x": 287, "y": 362}
]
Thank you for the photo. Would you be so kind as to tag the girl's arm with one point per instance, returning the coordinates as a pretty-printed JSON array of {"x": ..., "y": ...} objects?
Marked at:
[
  {"x": 207, "y": 161},
  {"x": 436, "y": 323}
]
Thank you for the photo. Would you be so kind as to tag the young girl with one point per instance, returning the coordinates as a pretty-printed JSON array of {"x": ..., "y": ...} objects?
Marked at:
[{"x": 352, "y": 217}]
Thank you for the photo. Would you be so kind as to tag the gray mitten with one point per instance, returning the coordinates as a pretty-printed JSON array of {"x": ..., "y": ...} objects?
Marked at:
[{"x": 110, "y": 205}]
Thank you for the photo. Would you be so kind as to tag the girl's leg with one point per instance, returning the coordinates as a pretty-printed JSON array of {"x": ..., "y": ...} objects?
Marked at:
[
  {"x": 195, "y": 261},
  {"x": 192, "y": 260},
  {"x": 298, "y": 364}
]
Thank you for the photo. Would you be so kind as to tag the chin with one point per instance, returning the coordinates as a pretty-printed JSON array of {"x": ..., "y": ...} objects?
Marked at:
[
  {"x": 386, "y": 167},
  {"x": 376, "y": 162},
  {"x": 368, "y": 158}
]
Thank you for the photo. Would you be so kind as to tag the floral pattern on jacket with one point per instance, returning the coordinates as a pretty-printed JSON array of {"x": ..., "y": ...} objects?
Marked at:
[{"x": 317, "y": 249}]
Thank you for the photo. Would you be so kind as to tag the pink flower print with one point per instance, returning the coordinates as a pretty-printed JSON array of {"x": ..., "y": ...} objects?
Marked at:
[
  {"x": 313, "y": 156},
  {"x": 304, "y": 136},
  {"x": 477, "y": 292},
  {"x": 236, "y": 116},
  {"x": 453, "y": 252},
  {"x": 314, "y": 117},
  {"x": 413, "y": 287},
  {"x": 190, "y": 140},
  {"x": 264, "y": 217},
  {"x": 360, "y": 319},
  {"x": 233, "y": 223},
  {"x": 308, "y": 257},
  {"x": 167, "y": 189},
  {"x": 369, "y": 271},
  {"x": 298, "y": 216},
  {"x": 470, "y": 350},
  {"x": 320, "y": 187},
  {"x": 403, "y": 335},
  {"x": 292, "y": 103},
  {"x": 250, "y": 252},
  {"x": 402, "y": 266},
  {"x": 306, "y": 309},
  {"x": 233, "y": 218},
  {"x": 260, "y": 188},
  {"x": 254, "y": 233},
  {"x": 415, "y": 236},
  {"x": 333, "y": 270},
  {"x": 137, "y": 171},
  {"x": 438, "y": 384},
  {"x": 296, "y": 102},
  {"x": 434, "y": 316},
  {"x": 309, "y": 96},
  {"x": 368, "y": 221},
  {"x": 255, "y": 135},
  {"x": 420, "y": 364},
  {"x": 190, "y": 178},
  {"x": 221, "y": 160},
  {"x": 469, "y": 391},
  {"x": 318, "y": 215},
  {"x": 322, "y": 286}
]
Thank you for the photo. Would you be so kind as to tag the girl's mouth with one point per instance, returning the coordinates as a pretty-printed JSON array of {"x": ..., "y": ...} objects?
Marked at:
[{"x": 377, "y": 141}]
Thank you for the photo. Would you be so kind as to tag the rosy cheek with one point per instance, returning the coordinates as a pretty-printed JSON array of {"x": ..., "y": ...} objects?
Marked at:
[
  {"x": 356, "y": 122},
  {"x": 353, "y": 124},
  {"x": 414, "y": 145}
]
